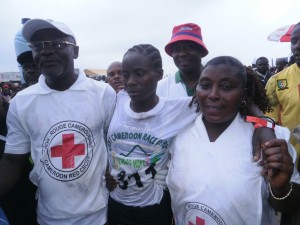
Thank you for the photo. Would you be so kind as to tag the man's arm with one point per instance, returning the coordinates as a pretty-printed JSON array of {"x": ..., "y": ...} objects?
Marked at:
[
  {"x": 283, "y": 178},
  {"x": 290, "y": 204},
  {"x": 11, "y": 167}
]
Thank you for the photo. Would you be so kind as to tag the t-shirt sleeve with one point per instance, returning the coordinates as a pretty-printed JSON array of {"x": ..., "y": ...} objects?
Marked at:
[{"x": 17, "y": 139}]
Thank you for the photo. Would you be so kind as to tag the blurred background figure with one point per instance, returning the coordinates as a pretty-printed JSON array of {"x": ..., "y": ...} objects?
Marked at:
[
  {"x": 281, "y": 63},
  {"x": 262, "y": 70},
  {"x": 6, "y": 93},
  {"x": 114, "y": 76},
  {"x": 28, "y": 70}
]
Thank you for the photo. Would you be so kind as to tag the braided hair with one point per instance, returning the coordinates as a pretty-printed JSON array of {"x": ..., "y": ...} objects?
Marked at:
[
  {"x": 149, "y": 51},
  {"x": 255, "y": 92}
]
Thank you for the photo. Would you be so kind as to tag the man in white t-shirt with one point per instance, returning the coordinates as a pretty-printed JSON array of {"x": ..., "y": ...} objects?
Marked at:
[
  {"x": 62, "y": 122},
  {"x": 187, "y": 49}
]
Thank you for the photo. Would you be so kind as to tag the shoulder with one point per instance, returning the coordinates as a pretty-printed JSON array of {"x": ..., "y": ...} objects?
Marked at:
[{"x": 168, "y": 79}]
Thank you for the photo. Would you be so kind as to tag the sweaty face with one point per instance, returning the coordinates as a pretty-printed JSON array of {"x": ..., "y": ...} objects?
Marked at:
[
  {"x": 262, "y": 65},
  {"x": 52, "y": 62},
  {"x": 295, "y": 44},
  {"x": 219, "y": 93},
  {"x": 140, "y": 78},
  {"x": 186, "y": 56},
  {"x": 114, "y": 76}
]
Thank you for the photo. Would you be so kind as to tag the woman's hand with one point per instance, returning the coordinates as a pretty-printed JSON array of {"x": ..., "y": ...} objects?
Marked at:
[{"x": 111, "y": 183}]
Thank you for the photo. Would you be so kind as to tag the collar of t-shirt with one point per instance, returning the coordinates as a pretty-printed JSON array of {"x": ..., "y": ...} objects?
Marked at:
[
  {"x": 178, "y": 78},
  {"x": 79, "y": 84}
]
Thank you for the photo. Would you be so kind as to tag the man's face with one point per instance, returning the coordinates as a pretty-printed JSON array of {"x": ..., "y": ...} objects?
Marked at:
[
  {"x": 262, "y": 65},
  {"x": 54, "y": 63},
  {"x": 114, "y": 76},
  {"x": 295, "y": 44},
  {"x": 186, "y": 56},
  {"x": 280, "y": 64},
  {"x": 31, "y": 73}
]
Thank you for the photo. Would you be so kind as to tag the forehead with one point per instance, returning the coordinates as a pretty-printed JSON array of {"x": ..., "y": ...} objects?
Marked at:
[
  {"x": 279, "y": 60},
  {"x": 114, "y": 66},
  {"x": 220, "y": 72},
  {"x": 49, "y": 34},
  {"x": 136, "y": 60},
  {"x": 262, "y": 61}
]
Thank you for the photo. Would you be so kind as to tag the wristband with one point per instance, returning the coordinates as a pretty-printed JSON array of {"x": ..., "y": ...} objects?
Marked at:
[{"x": 261, "y": 122}]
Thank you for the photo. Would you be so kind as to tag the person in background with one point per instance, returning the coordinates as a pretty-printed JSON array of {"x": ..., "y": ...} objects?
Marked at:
[
  {"x": 262, "y": 70},
  {"x": 28, "y": 69},
  {"x": 66, "y": 135},
  {"x": 281, "y": 63},
  {"x": 283, "y": 90},
  {"x": 187, "y": 49},
  {"x": 6, "y": 95},
  {"x": 220, "y": 142},
  {"x": 31, "y": 73},
  {"x": 114, "y": 76}
]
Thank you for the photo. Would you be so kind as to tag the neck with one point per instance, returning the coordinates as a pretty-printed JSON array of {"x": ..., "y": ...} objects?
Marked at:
[
  {"x": 214, "y": 130},
  {"x": 63, "y": 83},
  {"x": 190, "y": 79},
  {"x": 144, "y": 106}
]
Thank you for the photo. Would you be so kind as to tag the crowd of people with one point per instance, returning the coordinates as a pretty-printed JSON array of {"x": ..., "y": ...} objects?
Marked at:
[{"x": 207, "y": 145}]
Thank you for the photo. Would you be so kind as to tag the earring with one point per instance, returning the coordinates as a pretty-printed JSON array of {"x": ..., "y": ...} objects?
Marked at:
[{"x": 243, "y": 104}]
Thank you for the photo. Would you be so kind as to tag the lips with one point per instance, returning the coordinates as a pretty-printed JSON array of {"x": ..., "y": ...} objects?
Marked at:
[
  {"x": 213, "y": 108},
  {"x": 132, "y": 93},
  {"x": 118, "y": 83},
  {"x": 49, "y": 62}
]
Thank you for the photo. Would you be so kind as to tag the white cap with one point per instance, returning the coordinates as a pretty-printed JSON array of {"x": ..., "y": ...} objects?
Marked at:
[
  {"x": 21, "y": 45},
  {"x": 34, "y": 25}
]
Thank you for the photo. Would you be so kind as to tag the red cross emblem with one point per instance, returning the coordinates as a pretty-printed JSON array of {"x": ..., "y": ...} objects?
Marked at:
[
  {"x": 199, "y": 221},
  {"x": 68, "y": 150}
]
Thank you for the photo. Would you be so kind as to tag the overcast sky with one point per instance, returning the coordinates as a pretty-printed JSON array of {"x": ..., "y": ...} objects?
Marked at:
[{"x": 105, "y": 29}]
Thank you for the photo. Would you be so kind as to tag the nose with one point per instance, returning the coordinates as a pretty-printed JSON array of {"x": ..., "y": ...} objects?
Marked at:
[
  {"x": 46, "y": 50},
  {"x": 117, "y": 76},
  {"x": 131, "y": 81},
  {"x": 214, "y": 94}
]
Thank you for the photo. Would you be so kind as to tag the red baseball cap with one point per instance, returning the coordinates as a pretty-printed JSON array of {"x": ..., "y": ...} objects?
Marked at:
[{"x": 186, "y": 32}]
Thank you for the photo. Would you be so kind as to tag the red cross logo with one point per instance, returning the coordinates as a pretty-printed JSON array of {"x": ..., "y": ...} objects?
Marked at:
[
  {"x": 68, "y": 150},
  {"x": 199, "y": 221}
]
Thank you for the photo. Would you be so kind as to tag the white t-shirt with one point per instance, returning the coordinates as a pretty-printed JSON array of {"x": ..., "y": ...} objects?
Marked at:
[
  {"x": 217, "y": 182},
  {"x": 169, "y": 88},
  {"x": 65, "y": 132},
  {"x": 138, "y": 146}
]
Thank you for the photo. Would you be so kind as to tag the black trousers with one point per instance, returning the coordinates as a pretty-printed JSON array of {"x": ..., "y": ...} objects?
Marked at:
[{"x": 158, "y": 214}]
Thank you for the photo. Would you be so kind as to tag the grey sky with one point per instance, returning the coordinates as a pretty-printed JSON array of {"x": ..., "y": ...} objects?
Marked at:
[{"x": 105, "y": 29}]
